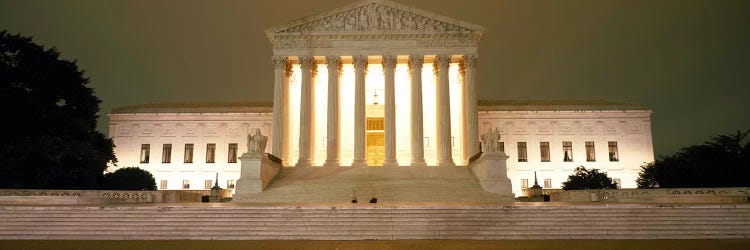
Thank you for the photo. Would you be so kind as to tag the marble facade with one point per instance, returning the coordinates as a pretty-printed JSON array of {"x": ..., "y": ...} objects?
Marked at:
[{"x": 377, "y": 83}]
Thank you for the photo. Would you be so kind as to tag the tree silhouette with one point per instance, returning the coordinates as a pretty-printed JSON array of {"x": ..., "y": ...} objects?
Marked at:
[
  {"x": 130, "y": 178},
  {"x": 723, "y": 161},
  {"x": 49, "y": 138},
  {"x": 588, "y": 179}
]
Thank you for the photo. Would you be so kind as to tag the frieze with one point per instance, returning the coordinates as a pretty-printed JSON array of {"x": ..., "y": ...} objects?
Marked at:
[
  {"x": 375, "y": 17},
  {"x": 373, "y": 42}
]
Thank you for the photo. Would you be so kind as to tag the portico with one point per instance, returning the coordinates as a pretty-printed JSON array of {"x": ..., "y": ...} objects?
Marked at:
[{"x": 400, "y": 76}]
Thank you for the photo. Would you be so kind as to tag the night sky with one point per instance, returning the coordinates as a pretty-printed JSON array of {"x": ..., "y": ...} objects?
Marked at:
[{"x": 687, "y": 60}]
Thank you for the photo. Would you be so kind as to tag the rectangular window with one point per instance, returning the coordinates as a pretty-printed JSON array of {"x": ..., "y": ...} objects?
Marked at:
[
  {"x": 544, "y": 149},
  {"x": 189, "y": 153},
  {"x": 427, "y": 142},
  {"x": 230, "y": 184},
  {"x": 166, "y": 153},
  {"x": 567, "y": 151},
  {"x": 617, "y": 182},
  {"x": 232, "y": 153},
  {"x": 613, "y": 156},
  {"x": 210, "y": 153},
  {"x": 522, "y": 152},
  {"x": 590, "y": 152},
  {"x": 547, "y": 183},
  {"x": 185, "y": 184},
  {"x": 145, "y": 151},
  {"x": 524, "y": 183},
  {"x": 501, "y": 146},
  {"x": 163, "y": 184},
  {"x": 207, "y": 184}
]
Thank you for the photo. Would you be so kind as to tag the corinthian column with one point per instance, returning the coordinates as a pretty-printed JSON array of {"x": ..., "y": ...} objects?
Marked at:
[
  {"x": 469, "y": 67},
  {"x": 417, "y": 130},
  {"x": 443, "y": 112},
  {"x": 282, "y": 70},
  {"x": 360, "y": 69},
  {"x": 389, "y": 65},
  {"x": 308, "y": 66},
  {"x": 332, "y": 139}
]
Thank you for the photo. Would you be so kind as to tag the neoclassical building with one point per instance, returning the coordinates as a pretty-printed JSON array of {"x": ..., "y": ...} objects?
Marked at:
[{"x": 380, "y": 84}]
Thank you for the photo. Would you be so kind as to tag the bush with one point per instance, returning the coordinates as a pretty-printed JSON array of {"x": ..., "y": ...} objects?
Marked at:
[
  {"x": 130, "y": 178},
  {"x": 588, "y": 179},
  {"x": 723, "y": 161}
]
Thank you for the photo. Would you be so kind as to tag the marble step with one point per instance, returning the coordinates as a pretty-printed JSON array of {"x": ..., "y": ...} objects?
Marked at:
[
  {"x": 402, "y": 227},
  {"x": 241, "y": 218},
  {"x": 386, "y": 223},
  {"x": 369, "y": 223}
]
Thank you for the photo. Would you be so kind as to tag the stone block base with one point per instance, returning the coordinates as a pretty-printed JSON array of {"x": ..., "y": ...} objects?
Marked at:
[{"x": 491, "y": 172}]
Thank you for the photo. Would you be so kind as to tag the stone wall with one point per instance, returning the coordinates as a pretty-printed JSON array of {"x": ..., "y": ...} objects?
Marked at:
[
  {"x": 47, "y": 196},
  {"x": 657, "y": 195}
]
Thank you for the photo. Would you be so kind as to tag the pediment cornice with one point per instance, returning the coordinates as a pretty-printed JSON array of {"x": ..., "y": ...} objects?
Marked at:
[{"x": 373, "y": 20}]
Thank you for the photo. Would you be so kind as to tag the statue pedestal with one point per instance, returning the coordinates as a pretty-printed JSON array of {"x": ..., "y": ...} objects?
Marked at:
[
  {"x": 492, "y": 173},
  {"x": 215, "y": 194},
  {"x": 256, "y": 173}
]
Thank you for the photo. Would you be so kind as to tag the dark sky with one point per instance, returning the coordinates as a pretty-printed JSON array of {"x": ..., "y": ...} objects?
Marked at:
[{"x": 687, "y": 60}]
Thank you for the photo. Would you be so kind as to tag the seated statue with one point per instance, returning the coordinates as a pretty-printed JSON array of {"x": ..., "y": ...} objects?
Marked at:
[
  {"x": 256, "y": 144},
  {"x": 489, "y": 141}
]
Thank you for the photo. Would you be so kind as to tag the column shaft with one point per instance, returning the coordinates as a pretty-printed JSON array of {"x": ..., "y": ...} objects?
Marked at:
[
  {"x": 332, "y": 140},
  {"x": 282, "y": 70},
  {"x": 308, "y": 66},
  {"x": 389, "y": 66},
  {"x": 470, "y": 65},
  {"x": 360, "y": 70},
  {"x": 443, "y": 112},
  {"x": 417, "y": 129}
]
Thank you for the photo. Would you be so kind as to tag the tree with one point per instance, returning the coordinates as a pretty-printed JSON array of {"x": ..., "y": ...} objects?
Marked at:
[
  {"x": 130, "y": 178},
  {"x": 723, "y": 161},
  {"x": 588, "y": 179},
  {"x": 50, "y": 138}
]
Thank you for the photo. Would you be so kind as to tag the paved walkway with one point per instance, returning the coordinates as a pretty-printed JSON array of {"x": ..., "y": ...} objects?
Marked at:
[{"x": 395, "y": 244}]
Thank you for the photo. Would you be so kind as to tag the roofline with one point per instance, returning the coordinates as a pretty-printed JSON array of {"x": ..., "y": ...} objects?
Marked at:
[{"x": 270, "y": 32}]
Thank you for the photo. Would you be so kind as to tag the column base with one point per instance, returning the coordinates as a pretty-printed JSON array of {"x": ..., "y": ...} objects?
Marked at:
[
  {"x": 392, "y": 163},
  {"x": 359, "y": 163},
  {"x": 304, "y": 163},
  {"x": 446, "y": 163},
  {"x": 332, "y": 164},
  {"x": 418, "y": 163}
]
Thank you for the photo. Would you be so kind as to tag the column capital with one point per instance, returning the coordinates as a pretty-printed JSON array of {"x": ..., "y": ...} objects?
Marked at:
[
  {"x": 416, "y": 62},
  {"x": 389, "y": 62},
  {"x": 360, "y": 62},
  {"x": 308, "y": 63},
  {"x": 282, "y": 63},
  {"x": 471, "y": 61},
  {"x": 334, "y": 63},
  {"x": 443, "y": 60}
]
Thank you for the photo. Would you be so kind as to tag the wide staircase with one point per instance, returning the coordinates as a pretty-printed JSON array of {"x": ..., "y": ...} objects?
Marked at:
[
  {"x": 390, "y": 185},
  {"x": 363, "y": 222}
]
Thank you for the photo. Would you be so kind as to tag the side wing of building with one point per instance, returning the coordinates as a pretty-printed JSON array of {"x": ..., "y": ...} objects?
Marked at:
[
  {"x": 185, "y": 146},
  {"x": 552, "y": 138}
]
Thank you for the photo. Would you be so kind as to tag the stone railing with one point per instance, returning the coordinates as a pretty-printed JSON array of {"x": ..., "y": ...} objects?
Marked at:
[
  {"x": 548, "y": 191},
  {"x": 46, "y": 196},
  {"x": 656, "y": 195},
  {"x": 223, "y": 193}
]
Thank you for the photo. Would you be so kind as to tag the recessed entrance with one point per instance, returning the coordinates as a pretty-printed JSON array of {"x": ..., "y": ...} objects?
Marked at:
[{"x": 375, "y": 142}]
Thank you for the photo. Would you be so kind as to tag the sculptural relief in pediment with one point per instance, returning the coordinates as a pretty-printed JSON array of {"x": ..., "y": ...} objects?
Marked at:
[{"x": 376, "y": 17}]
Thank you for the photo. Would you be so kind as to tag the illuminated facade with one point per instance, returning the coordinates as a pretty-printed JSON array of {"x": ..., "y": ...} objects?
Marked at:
[{"x": 377, "y": 83}]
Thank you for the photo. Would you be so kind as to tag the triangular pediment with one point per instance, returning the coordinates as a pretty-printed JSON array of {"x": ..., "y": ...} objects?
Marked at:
[{"x": 381, "y": 17}]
